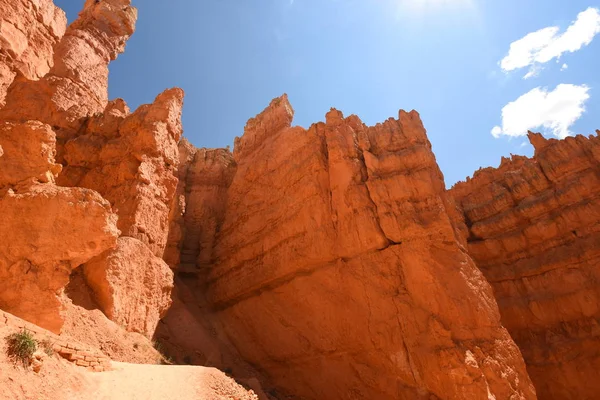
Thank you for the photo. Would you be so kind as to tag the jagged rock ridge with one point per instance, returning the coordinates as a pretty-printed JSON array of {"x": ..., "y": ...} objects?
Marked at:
[
  {"x": 77, "y": 171},
  {"x": 331, "y": 262},
  {"x": 336, "y": 270},
  {"x": 532, "y": 227}
]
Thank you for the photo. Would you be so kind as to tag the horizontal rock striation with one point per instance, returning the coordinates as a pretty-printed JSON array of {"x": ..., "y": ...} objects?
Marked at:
[
  {"x": 532, "y": 228},
  {"x": 338, "y": 274}
]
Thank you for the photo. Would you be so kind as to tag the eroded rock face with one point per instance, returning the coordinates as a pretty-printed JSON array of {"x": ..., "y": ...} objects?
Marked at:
[
  {"x": 127, "y": 158},
  {"x": 46, "y": 232},
  {"x": 132, "y": 285},
  {"x": 77, "y": 85},
  {"x": 131, "y": 160},
  {"x": 338, "y": 272},
  {"x": 28, "y": 152},
  {"x": 28, "y": 31},
  {"x": 177, "y": 231},
  {"x": 208, "y": 178},
  {"x": 532, "y": 228}
]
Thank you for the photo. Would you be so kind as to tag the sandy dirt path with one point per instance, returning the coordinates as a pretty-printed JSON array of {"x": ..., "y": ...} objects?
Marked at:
[{"x": 165, "y": 382}]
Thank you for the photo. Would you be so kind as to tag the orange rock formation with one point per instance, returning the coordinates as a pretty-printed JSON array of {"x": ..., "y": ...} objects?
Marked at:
[
  {"x": 330, "y": 262},
  {"x": 532, "y": 228},
  {"x": 337, "y": 271},
  {"x": 116, "y": 172},
  {"x": 28, "y": 32}
]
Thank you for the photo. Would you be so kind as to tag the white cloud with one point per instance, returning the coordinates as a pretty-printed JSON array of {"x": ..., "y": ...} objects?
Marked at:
[
  {"x": 541, "y": 46},
  {"x": 564, "y": 66},
  {"x": 496, "y": 131},
  {"x": 533, "y": 71},
  {"x": 555, "y": 111}
]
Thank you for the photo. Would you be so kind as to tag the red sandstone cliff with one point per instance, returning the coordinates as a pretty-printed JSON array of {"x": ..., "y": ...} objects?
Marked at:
[
  {"x": 116, "y": 171},
  {"x": 28, "y": 32},
  {"x": 336, "y": 270},
  {"x": 329, "y": 262},
  {"x": 532, "y": 228}
]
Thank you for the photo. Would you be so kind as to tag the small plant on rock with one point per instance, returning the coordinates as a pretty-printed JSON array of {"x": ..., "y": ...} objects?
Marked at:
[
  {"x": 164, "y": 358},
  {"x": 21, "y": 346},
  {"x": 48, "y": 347}
]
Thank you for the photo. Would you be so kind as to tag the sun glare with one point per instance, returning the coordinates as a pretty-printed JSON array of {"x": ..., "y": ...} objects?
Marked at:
[{"x": 434, "y": 5}]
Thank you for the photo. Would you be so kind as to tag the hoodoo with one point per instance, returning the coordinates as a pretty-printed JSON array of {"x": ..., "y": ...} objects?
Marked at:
[{"x": 320, "y": 263}]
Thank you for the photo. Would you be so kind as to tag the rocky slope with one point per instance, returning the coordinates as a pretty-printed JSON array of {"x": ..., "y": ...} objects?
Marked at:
[
  {"x": 87, "y": 190},
  {"x": 532, "y": 228}
]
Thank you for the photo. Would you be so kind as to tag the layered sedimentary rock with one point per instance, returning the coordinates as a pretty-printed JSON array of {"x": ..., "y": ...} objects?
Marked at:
[
  {"x": 28, "y": 31},
  {"x": 199, "y": 210},
  {"x": 76, "y": 86},
  {"x": 132, "y": 286},
  {"x": 532, "y": 228},
  {"x": 63, "y": 128},
  {"x": 337, "y": 271},
  {"x": 46, "y": 231},
  {"x": 172, "y": 254},
  {"x": 209, "y": 175},
  {"x": 28, "y": 152},
  {"x": 131, "y": 160}
]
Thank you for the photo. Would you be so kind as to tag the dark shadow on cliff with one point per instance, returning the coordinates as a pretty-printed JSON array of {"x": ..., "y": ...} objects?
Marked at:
[
  {"x": 79, "y": 292},
  {"x": 190, "y": 333}
]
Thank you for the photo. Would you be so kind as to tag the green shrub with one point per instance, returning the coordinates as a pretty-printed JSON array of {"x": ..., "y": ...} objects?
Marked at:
[{"x": 21, "y": 346}]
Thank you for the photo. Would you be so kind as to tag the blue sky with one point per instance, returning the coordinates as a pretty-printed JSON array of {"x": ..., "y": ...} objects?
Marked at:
[{"x": 447, "y": 59}]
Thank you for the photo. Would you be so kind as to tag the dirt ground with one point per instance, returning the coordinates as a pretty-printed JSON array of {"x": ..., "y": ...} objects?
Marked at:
[{"x": 62, "y": 380}]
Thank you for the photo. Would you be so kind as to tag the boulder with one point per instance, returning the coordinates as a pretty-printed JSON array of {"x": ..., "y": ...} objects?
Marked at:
[{"x": 131, "y": 285}]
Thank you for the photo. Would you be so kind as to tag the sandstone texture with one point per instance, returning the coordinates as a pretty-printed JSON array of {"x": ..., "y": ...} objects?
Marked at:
[
  {"x": 28, "y": 152},
  {"x": 338, "y": 274},
  {"x": 209, "y": 175},
  {"x": 116, "y": 170},
  {"x": 132, "y": 286},
  {"x": 172, "y": 254},
  {"x": 46, "y": 232},
  {"x": 321, "y": 263},
  {"x": 131, "y": 159},
  {"x": 532, "y": 227},
  {"x": 76, "y": 87},
  {"x": 29, "y": 29}
]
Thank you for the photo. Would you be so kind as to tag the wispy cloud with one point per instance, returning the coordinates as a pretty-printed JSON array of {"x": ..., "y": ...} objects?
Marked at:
[
  {"x": 554, "y": 111},
  {"x": 539, "y": 47}
]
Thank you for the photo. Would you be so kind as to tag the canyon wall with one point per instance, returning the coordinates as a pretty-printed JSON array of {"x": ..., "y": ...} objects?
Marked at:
[
  {"x": 336, "y": 270},
  {"x": 78, "y": 171},
  {"x": 330, "y": 261},
  {"x": 532, "y": 228}
]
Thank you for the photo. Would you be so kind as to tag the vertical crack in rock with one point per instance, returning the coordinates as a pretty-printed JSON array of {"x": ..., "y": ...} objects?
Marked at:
[{"x": 307, "y": 278}]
